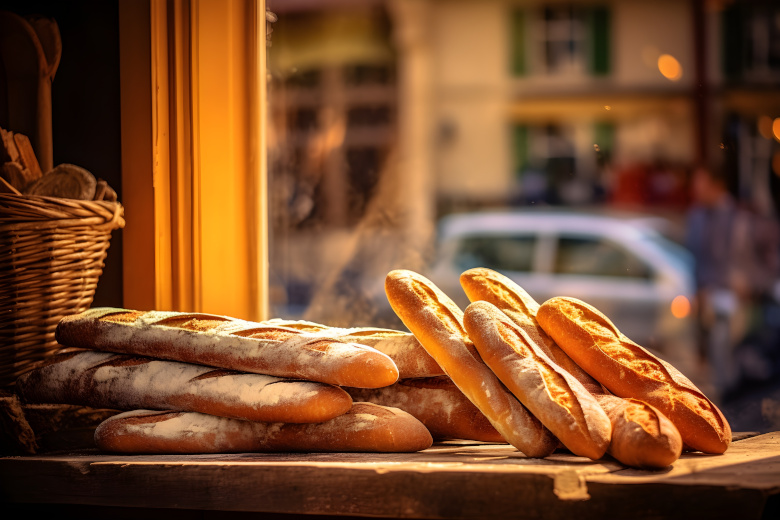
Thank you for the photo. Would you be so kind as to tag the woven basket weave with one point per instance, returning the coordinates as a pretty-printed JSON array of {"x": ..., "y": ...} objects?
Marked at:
[{"x": 52, "y": 252}]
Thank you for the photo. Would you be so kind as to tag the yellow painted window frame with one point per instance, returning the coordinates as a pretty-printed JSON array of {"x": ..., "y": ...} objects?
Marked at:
[{"x": 193, "y": 93}]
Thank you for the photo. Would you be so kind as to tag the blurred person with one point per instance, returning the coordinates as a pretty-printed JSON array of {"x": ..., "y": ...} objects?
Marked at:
[{"x": 735, "y": 253}]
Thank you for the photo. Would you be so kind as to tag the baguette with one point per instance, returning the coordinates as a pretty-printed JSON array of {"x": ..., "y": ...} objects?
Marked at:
[
  {"x": 642, "y": 436},
  {"x": 490, "y": 286},
  {"x": 553, "y": 395},
  {"x": 366, "y": 427},
  {"x": 628, "y": 370},
  {"x": 229, "y": 343},
  {"x": 438, "y": 323},
  {"x": 105, "y": 380},
  {"x": 402, "y": 347},
  {"x": 438, "y": 404}
]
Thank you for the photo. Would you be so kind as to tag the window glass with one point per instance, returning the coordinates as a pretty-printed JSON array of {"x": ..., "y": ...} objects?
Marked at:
[
  {"x": 387, "y": 117},
  {"x": 500, "y": 253},
  {"x": 594, "y": 256},
  {"x": 564, "y": 39}
]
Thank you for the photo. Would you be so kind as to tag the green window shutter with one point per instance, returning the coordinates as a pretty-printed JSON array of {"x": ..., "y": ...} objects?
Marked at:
[
  {"x": 520, "y": 149},
  {"x": 517, "y": 41},
  {"x": 604, "y": 139},
  {"x": 599, "y": 25},
  {"x": 732, "y": 31}
]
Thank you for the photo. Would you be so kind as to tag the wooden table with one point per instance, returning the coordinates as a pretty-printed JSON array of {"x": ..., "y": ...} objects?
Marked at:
[{"x": 455, "y": 479}]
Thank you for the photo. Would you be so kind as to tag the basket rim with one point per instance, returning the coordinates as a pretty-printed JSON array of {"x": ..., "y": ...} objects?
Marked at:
[{"x": 23, "y": 212}]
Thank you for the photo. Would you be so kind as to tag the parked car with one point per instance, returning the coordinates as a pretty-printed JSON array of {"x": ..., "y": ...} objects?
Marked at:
[{"x": 623, "y": 266}]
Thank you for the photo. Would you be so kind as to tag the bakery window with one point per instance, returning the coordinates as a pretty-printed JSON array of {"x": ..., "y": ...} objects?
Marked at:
[{"x": 282, "y": 169}]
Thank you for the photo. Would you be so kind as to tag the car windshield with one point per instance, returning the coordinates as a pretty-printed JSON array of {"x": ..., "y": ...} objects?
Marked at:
[
  {"x": 500, "y": 252},
  {"x": 594, "y": 255}
]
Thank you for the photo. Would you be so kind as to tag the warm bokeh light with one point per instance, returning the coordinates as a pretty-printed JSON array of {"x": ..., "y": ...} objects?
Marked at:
[
  {"x": 681, "y": 306},
  {"x": 670, "y": 67},
  {"x": 765, "y": 127},
  {"x": 776, "y": 128}
]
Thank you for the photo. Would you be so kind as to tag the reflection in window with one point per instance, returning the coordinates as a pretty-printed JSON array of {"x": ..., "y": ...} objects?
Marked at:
[
  {"x": 751, "y": 41},
  {"x": 563, "y": 40},
  {"x": 500, "y": 253},
  {"x": 595, "y": 257},
  {"x": 560, "y": 40}
]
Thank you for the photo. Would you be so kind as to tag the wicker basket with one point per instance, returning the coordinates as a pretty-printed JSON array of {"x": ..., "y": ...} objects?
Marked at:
[{"x": 52, "y": 253}]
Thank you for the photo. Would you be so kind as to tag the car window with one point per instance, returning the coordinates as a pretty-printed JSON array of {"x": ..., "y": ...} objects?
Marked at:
[
  {"x": 595, "y": 256},
  {"x": 500, "y": 253}
]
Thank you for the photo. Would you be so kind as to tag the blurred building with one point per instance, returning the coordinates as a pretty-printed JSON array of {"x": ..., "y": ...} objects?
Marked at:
[
  {"x": 395, "y": 112},
  {"x": 531, "y": 101}
]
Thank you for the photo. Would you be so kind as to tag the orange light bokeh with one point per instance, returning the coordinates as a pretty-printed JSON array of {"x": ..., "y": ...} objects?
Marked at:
[
  {"x": 670, "y": 67},
  {"x": 681, "y": 306},
  {"x": 776, "y": 128}
]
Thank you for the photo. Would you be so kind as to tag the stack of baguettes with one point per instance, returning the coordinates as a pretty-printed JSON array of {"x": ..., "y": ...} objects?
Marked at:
[
  {"x": 557, "y": 373},
  {"x": 199, "y": 383},
  {"x": 505, "y": 370}
]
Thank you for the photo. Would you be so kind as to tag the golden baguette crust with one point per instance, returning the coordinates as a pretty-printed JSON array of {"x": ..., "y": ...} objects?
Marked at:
[
  {"x": 628, "y": 370},
  {"x": 365, "y": 428},
  {"x": 482, "y": 284},
  {"x": 642, "y": 436},
  {"x": 438, "y": 323},
  {"x": 225, "y": 342},
  {"x": 402, "y": 347},
  {"x": 437, "y": 403},
  {"x": 122, "y": 382},
  {"x": 553, "y": 395}
]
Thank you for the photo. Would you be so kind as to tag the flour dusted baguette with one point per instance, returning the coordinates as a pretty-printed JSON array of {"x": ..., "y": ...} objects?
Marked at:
[
  {"x": 487, "y": 285},
  {"x": 229, "y": 343},
  {"x": 402, "y": 347},
  {"x": 642, "y": 436},
  {"x": 437, "y": 403},
  {"x": 438, "y": 323},
  {"x": 105, "y": 380},
  {"x": 628, "y": 370},
  {"x": 553, "y": 395},
  {"x": 366, "y": 427}
]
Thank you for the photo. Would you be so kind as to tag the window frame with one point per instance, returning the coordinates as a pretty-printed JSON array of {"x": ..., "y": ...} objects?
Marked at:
[{"x": 193, "y": 78}]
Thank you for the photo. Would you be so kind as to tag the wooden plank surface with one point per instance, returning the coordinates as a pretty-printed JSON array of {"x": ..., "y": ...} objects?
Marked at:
[{"x": 449, "y": 480}]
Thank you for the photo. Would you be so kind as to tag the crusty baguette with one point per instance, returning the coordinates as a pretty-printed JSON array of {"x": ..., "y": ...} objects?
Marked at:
[
  {"x": 487, "y": 285},
  {"x": 437, "y": 403},
  {"x": 553, "y": 395},
  {"x": 225, "y": 342},
  {"x": 642, "y": 436},
  {"x": 438, "y": 323},
  {"x": 366, "y": 427},
  {"x": 402, "y": 347},
  {"x": 628, "y": 370},
  {"x": 122, "y": 382}
]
